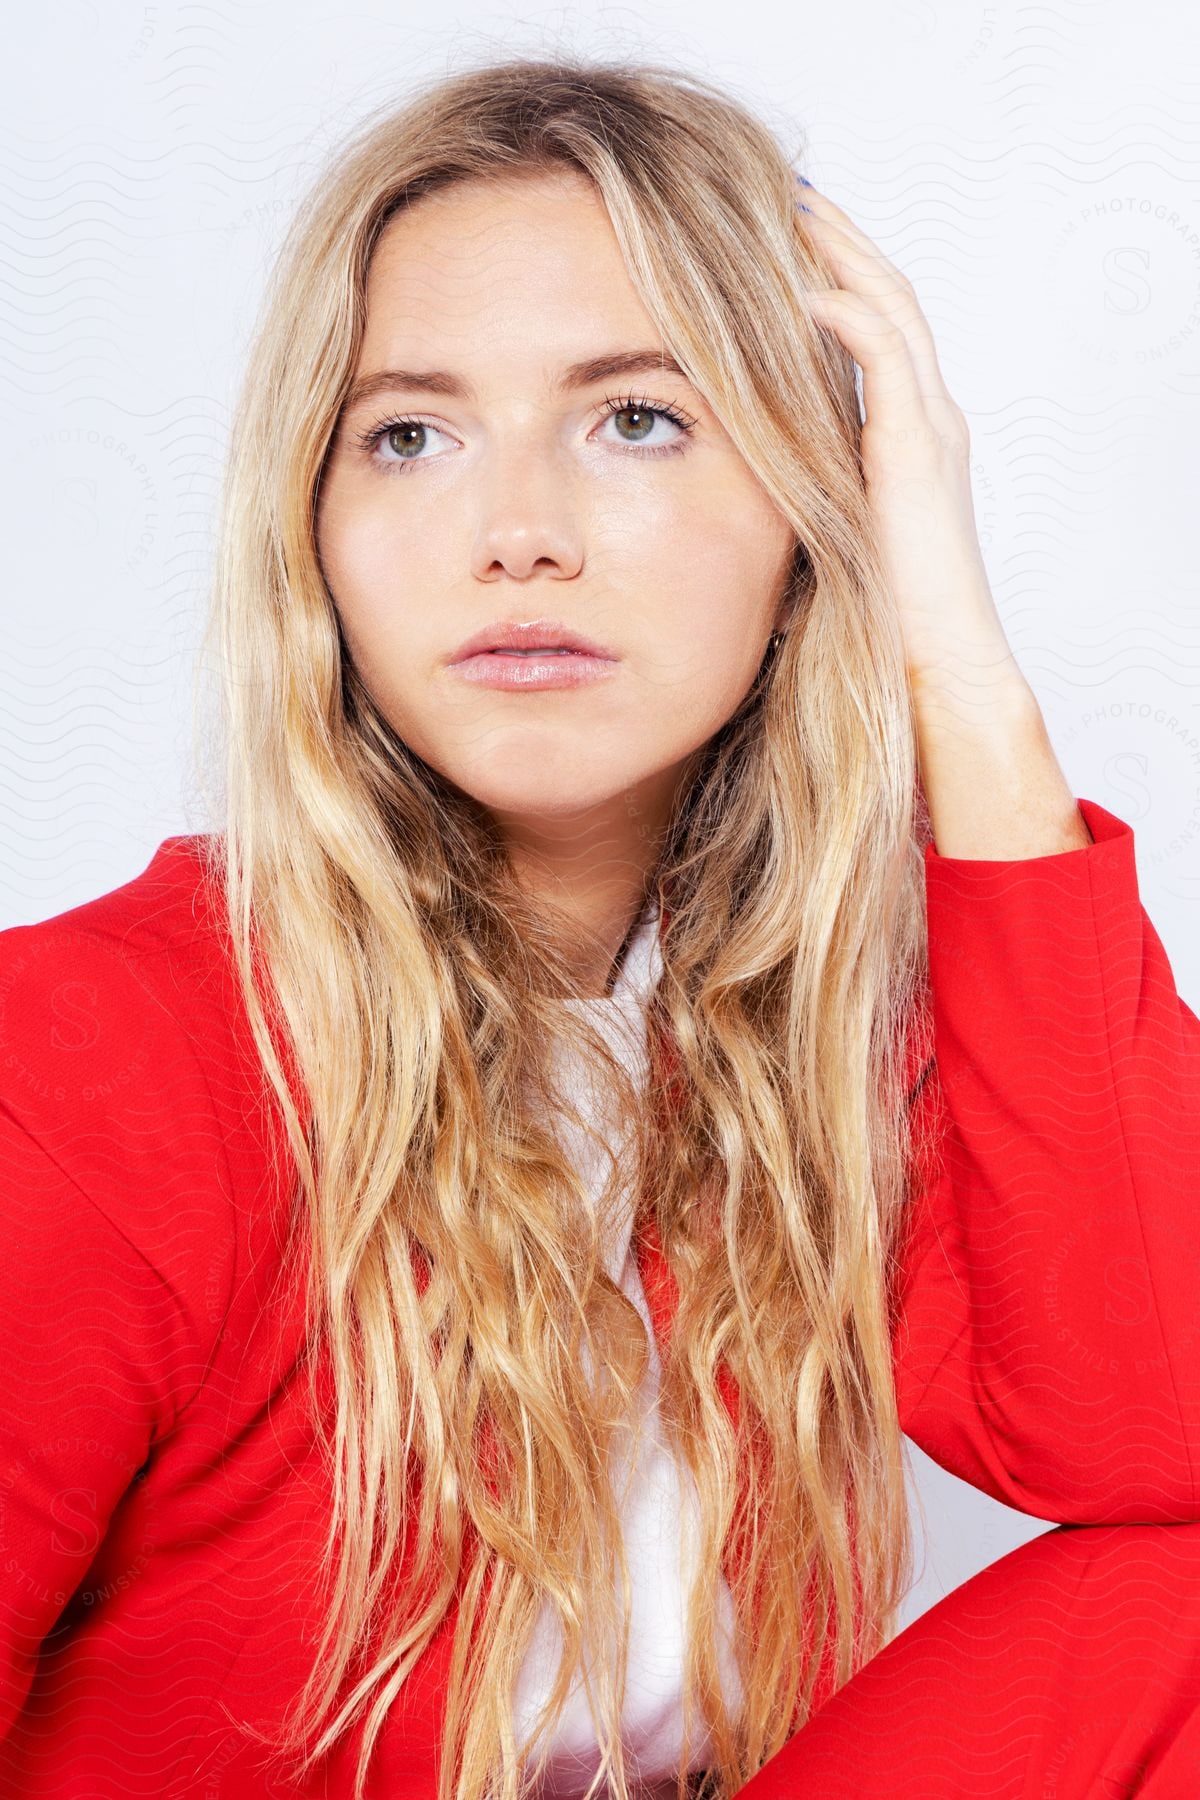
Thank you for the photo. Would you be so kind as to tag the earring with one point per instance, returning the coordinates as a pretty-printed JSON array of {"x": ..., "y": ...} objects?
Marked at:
[{"x": 776, "y": 639}]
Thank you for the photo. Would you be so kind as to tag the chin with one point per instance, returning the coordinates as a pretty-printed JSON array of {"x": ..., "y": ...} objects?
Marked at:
[
  {"x": 547, "y": 779},
  {"x": 540, "y": 800}
]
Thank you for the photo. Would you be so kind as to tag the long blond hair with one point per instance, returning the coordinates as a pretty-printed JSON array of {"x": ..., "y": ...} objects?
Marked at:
[{"x": 454, "y": 1274}]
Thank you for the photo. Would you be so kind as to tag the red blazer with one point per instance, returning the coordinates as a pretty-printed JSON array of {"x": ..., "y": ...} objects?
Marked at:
[{"x": 161, "y": 1503}]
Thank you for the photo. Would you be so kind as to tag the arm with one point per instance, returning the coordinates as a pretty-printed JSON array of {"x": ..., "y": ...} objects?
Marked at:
[
  {"x": 1048, "y": 1293},
  {"x": 1047, "y": 1338},
  {"x": 93, "y": 1344}
]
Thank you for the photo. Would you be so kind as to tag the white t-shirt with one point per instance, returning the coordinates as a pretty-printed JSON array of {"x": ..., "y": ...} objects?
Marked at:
[{"x": 660, "y": 1512}]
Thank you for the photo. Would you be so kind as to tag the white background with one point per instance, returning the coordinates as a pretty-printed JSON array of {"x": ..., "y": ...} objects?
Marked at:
[{"x": 1035, "y": 169}]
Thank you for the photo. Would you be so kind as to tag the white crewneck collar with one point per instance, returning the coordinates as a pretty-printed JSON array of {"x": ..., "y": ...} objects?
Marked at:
[{"x": 641, "y": 967}]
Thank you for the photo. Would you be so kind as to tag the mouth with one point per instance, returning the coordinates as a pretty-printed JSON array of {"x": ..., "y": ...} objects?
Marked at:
[
  {"x": 532, "y": 671},
  {"x": 537, "y": 638}
]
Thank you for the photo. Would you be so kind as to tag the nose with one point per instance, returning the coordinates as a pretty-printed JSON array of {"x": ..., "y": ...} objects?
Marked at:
[{"x": 528, "y": 519}]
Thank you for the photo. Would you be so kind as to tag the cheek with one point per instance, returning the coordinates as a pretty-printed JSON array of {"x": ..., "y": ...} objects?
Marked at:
[
  {"x": 716, "y": 610},
  {"x": 369, "y": 568},
  {"x": 359, "y": 540}
]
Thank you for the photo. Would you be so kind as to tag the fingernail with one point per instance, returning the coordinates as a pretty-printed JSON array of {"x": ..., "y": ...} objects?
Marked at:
[{"x": 804, "y": 181}]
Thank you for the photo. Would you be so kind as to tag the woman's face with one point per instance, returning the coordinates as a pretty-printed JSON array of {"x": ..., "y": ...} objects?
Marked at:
[{"x": 511, "y": 485}]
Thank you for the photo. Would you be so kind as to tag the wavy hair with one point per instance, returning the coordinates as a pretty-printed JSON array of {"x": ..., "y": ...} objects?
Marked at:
[{"x": 454, "y": 1272}]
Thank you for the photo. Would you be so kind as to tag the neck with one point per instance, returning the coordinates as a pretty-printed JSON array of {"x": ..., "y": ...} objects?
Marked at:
[
  {"x": 591, "y": 869},
  {"x": 596, "y": 923}
]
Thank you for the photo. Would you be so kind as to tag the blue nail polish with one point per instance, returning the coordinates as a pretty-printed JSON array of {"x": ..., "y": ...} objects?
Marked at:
[{"x": 803, "y": 179}]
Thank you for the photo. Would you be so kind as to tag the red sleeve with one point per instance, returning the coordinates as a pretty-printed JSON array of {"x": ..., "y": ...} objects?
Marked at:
[
  {"x": 91, "y": 1341},
  {"x": 1048, "y": 1295}
]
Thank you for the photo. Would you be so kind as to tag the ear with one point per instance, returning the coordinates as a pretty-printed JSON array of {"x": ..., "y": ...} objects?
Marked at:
[
  {"x": 790, "y": 599},
  {"x": 784, "y": 613}
]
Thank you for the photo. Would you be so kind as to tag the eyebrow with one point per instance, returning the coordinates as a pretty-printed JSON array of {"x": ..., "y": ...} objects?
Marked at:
[{"x": 575, "y": 375}]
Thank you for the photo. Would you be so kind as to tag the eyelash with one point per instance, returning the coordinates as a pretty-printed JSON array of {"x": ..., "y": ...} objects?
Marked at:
[{"x": 369, "y": 439}]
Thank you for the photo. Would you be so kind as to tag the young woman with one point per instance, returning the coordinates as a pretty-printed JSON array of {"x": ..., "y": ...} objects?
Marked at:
[{"x": 654, "y": 1026}]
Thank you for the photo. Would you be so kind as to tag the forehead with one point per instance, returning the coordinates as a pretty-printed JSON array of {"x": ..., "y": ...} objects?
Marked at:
[{"x": 481, "y": 273}]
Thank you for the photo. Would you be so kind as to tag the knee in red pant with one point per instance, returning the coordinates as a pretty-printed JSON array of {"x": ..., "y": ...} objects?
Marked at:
[{"x": 1068, "y": 1668}]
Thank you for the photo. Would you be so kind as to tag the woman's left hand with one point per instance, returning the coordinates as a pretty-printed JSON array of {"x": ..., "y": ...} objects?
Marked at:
[
  {"x": 916, "y": 465},
  {"x": 992, "y": 782}
]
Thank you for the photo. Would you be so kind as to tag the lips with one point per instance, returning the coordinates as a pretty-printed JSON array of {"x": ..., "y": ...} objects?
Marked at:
[{"x": 510, "y": 637}]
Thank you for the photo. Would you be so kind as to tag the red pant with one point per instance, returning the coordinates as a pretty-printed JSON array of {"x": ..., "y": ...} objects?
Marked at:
[{"x": 1067, "y": 1670}]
